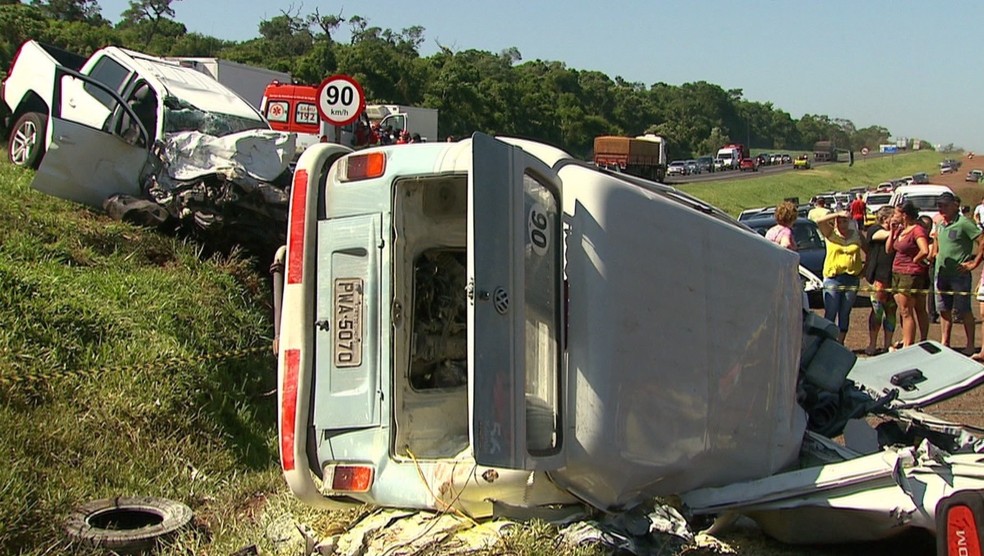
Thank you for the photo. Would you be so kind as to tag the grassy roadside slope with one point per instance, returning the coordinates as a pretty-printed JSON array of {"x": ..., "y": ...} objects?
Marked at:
[
  {"x": 733, "y": 196},
  {"x": 127, "y": 367}
]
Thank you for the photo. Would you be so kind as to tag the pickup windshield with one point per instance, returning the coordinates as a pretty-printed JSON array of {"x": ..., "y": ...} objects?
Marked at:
[{"x": 180, "y": 115}]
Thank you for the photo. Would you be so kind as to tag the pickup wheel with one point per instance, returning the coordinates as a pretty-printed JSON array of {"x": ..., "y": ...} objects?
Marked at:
[{"x": 26, "y": 144}]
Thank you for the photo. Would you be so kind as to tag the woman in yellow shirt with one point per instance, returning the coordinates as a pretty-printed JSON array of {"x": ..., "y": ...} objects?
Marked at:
[{"x": 841, "y": 267}]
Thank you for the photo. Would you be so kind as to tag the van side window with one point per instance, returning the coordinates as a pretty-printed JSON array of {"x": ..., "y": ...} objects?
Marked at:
[
  {"x": 110, "y": 73},
  {"x": 307, "y": 113}
]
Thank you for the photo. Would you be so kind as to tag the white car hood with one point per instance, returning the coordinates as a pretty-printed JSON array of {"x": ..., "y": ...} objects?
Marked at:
[{"x": 262, "y": 153}]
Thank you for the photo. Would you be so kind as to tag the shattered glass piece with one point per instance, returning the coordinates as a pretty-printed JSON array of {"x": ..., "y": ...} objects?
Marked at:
[{"x": 180, "y": 115}]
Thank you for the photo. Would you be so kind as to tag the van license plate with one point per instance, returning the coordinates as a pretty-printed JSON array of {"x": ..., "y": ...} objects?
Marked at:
[{"x": 348, "y": 322}]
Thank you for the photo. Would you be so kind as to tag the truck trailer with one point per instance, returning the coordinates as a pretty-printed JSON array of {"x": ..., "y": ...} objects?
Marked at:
[
  {"x": 643, "y": 156},
  {"x": 249, "y": 82}
]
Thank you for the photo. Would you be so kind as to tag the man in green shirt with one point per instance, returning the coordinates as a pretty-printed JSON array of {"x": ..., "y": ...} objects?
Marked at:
[{"x": 953, "y": 250}]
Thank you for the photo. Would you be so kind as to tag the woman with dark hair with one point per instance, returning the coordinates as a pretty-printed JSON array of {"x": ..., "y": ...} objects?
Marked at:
[
  {"x": 878, "y": 272},
  {"x": 910, "y": 273}
]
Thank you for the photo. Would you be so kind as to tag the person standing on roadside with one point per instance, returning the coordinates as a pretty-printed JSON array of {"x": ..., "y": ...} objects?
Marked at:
[
  {"x": 858, "y": 211},
  {"x": 909, "y": 241},
  {"x": 782, "y": 232},
  {"x": 979, "y": 214},
  {"x": 819, "y": 209},
  {"x": 953, "y": 251},
  {"x": 841, "y": 268},
  {"x": 928, "y": 223},
  {"x": 878, "y": 272}
]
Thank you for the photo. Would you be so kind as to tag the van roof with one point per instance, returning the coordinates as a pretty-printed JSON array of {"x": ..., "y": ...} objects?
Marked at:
[{"x": 923, "y": 189}]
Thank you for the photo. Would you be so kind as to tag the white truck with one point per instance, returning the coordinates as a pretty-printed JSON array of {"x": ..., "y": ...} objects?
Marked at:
[
  {"x": 489, "y": 326},
  {"x": 413, "y": 119},
  {"x": 89, "y": 125},
  {"x": 247, "y": 81}
]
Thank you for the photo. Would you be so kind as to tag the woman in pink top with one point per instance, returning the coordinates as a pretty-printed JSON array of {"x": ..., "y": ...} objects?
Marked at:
[
  {"x": 910, "y": 274},
  {"x": 782, "y": 232}
]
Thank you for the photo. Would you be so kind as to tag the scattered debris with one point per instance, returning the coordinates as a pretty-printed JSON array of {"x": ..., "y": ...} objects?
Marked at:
[{"x": 222, "y": 191}]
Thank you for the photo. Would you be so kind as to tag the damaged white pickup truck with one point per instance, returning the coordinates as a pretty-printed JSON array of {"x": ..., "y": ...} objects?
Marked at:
[
  {"x": 146, "y": 139},
  {"x": 494, "y": 326}
]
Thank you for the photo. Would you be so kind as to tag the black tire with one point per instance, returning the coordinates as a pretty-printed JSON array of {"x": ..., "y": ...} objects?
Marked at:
[
  {"x": 126, "y": 523},
  {"x": 25, "y": 147}
]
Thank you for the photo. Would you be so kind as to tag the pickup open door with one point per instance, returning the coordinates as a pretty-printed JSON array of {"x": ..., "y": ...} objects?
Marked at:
[
  {"x": 87, "y": 164},
  {"x": 515, "y": 309}
]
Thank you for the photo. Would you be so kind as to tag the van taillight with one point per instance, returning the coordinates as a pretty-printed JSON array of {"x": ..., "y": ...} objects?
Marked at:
[
  {"x": 295, "y": 231},
  {"x": 349, "y": 478},
  {"x": 362, "y": 166}
]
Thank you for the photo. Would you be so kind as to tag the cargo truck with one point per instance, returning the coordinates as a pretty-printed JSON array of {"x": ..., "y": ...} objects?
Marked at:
[
  {"x": 643, "y": 156},
  {"x": 731, "y": 155},
  {"x": 824, "y": 151},
  {"x": 247, "y": 81},
  {"x": 497, "y": 328}
]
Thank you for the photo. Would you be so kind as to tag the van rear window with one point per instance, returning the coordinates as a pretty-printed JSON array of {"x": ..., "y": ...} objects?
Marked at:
[{"x": 277, "y": 111}]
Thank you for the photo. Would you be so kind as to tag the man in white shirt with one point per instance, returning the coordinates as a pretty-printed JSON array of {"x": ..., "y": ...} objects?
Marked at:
[{"x": 979, "y": 214}]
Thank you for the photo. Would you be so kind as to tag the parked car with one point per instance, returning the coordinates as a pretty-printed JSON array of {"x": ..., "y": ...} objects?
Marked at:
[
  {"x": 802, "y": 162},
  {"x": 810, "y": 244},
  {"x": 949, "y": 165},
  {"x": 677, "y": 168},
  {"x": 877, "y": 199},
  {"x": 705, "y": 163},
  {"x": 974, "y": 175},
  {"x": 769, "y": 212},
  {"x": 748, "y": 164},
  {"x": 923, "y": 196}
]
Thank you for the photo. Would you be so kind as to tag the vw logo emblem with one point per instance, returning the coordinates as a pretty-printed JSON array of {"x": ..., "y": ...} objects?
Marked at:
[{"x": 500, "y": 298}]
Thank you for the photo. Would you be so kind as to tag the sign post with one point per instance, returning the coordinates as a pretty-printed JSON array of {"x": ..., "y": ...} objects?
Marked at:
[{"x": 340, "y": 100}]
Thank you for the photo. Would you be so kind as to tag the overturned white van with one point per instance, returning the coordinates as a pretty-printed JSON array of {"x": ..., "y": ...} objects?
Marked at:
[{"x": 491, "y": 325}]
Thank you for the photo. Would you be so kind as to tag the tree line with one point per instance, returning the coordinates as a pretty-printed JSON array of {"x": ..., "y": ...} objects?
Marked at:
[{"x": 474, "y": 90}]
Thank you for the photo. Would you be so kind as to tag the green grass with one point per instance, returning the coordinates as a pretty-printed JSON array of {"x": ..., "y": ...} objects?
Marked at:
[
  {"x": 733, "y": 196},
  {"x": 128, "y": 366}
]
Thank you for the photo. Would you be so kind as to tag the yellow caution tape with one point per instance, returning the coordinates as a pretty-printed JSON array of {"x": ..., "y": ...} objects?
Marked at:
[{"x": 869, "y": 289}]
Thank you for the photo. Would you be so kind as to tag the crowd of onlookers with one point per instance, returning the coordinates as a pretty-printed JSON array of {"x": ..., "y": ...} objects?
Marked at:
[{"x": 918, "y": 268}]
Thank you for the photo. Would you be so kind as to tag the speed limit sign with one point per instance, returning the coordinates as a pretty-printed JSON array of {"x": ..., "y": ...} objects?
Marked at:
[{"x": 340, "y": 100}]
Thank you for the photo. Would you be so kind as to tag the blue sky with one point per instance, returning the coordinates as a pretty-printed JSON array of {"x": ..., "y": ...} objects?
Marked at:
[{"x": 911, "y": 66}]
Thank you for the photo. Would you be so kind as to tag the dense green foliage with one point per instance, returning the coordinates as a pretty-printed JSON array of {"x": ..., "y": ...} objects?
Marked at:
[{"x": 474, "y": 90}]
